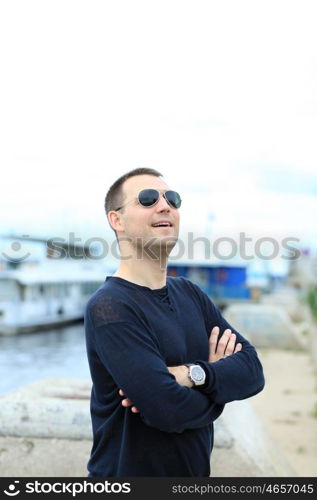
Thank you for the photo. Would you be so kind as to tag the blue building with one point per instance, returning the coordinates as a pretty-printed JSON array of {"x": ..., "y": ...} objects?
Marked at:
[{"x": 222, "y": 282}]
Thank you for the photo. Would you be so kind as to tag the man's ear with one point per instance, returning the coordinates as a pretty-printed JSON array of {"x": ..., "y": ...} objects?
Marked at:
[{"x": 114, "y": 219}]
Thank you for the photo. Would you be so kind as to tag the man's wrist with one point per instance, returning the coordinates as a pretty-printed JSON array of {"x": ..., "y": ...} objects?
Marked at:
[
  {"x": 196, "y": 374},
  {"x": 187, "y": 380}
]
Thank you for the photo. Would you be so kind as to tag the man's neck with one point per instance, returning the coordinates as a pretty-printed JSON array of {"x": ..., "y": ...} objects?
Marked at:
[{"x": 143, "y": 272}]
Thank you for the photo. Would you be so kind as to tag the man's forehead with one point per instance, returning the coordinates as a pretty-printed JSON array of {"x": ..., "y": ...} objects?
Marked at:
[{"x": 133, "y": 185}]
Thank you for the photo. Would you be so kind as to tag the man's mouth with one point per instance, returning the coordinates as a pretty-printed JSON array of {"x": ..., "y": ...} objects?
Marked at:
[{"x": 162, "y": 224}]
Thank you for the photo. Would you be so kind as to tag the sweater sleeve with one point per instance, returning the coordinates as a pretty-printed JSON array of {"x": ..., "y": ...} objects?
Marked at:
[
  {"x": 130, "y": 354},
  {"x": 236, "y": 377}
]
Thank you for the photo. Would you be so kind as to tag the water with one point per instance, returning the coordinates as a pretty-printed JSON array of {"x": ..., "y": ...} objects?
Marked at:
[{"x": 52, "y": 353}]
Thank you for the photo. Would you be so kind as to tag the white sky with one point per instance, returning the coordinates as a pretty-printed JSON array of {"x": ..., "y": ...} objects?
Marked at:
[{"x": 220, "y": 96}]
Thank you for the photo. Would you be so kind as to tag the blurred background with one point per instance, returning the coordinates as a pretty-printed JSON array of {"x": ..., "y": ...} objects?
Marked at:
[{"x": 219, "y": 96}]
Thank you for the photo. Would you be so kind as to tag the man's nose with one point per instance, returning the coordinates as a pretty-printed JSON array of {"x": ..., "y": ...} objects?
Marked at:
[{"x": 162, "y": 205}]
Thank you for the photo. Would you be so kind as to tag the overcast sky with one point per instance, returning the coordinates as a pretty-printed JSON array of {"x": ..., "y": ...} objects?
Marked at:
[{"x": 220, "y": 96}]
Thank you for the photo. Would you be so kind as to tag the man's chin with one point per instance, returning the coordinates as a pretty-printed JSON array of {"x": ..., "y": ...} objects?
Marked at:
[
  {"x": 158, "y": 247},
  {"x": 167, "y": 241},
  {"x": 165, "y": 245}
]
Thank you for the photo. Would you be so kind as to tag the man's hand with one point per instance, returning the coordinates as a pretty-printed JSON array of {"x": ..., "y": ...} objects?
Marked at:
[
  {"x": 226, "y": 345},
  {"x": 127, "y": 402}
]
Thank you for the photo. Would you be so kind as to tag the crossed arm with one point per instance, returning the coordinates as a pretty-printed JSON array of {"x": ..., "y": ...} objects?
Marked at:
[
  {"x": 217, "y": 350},
  {"x": 126, "y": 347}
]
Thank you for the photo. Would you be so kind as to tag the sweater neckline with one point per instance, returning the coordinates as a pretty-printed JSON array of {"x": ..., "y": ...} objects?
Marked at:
[{"x": 130, "y": 284}]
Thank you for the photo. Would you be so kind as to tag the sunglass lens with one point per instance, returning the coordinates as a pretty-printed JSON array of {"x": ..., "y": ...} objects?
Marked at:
[
  {"x": 173, "y": 199},
  {"x": 148, "y": 197}
]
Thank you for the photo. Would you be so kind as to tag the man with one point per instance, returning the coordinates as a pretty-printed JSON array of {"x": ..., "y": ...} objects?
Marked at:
[{"x": 163, "y": 360}]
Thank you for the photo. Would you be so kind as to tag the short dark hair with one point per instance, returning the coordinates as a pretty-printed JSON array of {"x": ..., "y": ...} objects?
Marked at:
[{"x": 114, "y": 197}]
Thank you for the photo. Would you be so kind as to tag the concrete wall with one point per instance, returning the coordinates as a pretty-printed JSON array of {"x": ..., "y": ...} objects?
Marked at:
[{"x": 45, "y": 430}]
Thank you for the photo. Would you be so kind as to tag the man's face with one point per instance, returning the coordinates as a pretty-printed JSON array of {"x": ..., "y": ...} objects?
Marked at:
[{"x": 138, "y": 221}]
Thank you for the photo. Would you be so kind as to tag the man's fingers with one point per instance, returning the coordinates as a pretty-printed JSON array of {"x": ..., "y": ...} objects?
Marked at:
[
  {"x": 238, "y": 347},
  {"x": 231, "y": 344},
  {"x": 213, "y": 339},
  {"x": 222, "y": 344},
  {"x": 126, "y": 402},
  {"x": 226, "y": 345}
]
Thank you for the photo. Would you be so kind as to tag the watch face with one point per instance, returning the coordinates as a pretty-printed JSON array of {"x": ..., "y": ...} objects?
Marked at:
[{"x": 197, "y": 373}]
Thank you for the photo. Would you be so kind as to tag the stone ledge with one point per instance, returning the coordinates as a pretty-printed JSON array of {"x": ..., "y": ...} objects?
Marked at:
[
  {"x": 51, "y": 407},
  {"x": 46, "y": 429}
]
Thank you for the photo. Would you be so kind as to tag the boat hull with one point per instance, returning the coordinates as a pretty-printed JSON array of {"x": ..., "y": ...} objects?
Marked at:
[{"x": 16, "y": 329}]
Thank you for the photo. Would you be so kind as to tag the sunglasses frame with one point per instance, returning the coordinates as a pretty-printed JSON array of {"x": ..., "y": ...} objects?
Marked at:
[{"x": 163, "y": 193}]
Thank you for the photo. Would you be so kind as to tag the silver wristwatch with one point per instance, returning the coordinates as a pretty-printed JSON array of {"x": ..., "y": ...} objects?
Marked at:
[{"x": 196, "y": 374}]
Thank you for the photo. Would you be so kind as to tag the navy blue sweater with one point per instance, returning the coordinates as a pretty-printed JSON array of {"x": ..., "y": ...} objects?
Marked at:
[{"x": 132, "y": 334}]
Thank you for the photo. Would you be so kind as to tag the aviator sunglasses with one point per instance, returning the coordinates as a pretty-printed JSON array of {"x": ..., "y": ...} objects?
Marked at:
[{"x": 149, "y": 197}]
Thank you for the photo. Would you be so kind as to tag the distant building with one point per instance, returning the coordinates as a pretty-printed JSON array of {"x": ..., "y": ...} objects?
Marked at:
[
  {"x": 223, "y": 282},
  {"x": 18, "y": 250}
]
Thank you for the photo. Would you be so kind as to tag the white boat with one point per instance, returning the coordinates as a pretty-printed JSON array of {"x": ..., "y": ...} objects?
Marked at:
[{"x": 45, "y": 296}]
